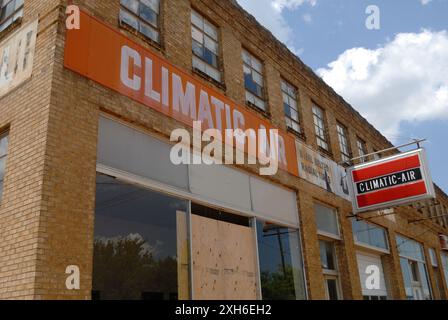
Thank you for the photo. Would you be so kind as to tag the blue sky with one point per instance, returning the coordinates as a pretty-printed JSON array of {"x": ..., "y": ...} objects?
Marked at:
[{"x": 397, "y": 76}]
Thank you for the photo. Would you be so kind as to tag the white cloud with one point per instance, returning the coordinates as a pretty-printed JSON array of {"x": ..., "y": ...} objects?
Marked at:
[
  {"x": 307, "y": 18},
  {"x": 270, "y": 14},
  {"x": 404, "y": 80},
  {"x": 425, "y": 2}
]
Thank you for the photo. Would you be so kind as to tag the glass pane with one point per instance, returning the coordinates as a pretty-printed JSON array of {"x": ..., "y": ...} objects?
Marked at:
[
  {"x": 128, "y": 19},
  {"x": 1, "y": 189},
  {"x": 198, "y": 64},
  {"x": 210, "y": 58},
  {"x": 246, "y": 57},
  {"x": 140, "y": 244},
  {"x": 198, "y": 49},
  {"x": 211, "y": 30},
  {"x": 149, "y": 32},
  {"x": 405, "y": 270},
  {"x": 3, "y": 145},
  {"x": 197, "y": 20},
  {"x": 2, "y": 168},
  {"x": 326, "y": 219},
  {"x": 281, "y": 267},
  {"x": 197, "y": 35},
  {"x": 147, "y": 14},
  {"x": 256, "y": 64},
  {"x": 260, "y": 103},
  {"x": 211, "y": 45},
  {"x": 332, "y": 287},
  {"x": 212, "y": 72},
  {"x": 423, "y": 275},
  {"x": 327, "y": 256},
  {"x": 131, "y": 5},
  {"x": 153, "y": 4}
]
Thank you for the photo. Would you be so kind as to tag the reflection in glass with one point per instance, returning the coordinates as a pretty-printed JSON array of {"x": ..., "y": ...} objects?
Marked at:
[
  {"x": 140, "y": 246},
  {"x": 280, "y": 262},
  {"x": 369, "y": 234}
]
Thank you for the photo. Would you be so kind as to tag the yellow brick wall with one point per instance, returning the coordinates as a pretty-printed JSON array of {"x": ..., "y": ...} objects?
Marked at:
[{"x": 47, "y": 213}]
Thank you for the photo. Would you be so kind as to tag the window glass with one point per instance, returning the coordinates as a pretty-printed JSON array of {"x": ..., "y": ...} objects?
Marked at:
[
  {"x": 332, "y": 288},
  {"x": 344, "y": 144},
  {"x": 433, "y": 256},
  {"x": 3, "y": 155},
  {"x": 445, "y": 266},
  {"x": 253, "y": 80},
  {"x": 327, "y": 255},
  {"x": 409, "y": 248},
  {"x": 319, "y": 126},
  {"x": 326, "y": 219},
  {"x": 362, "y": 149},
  {"x": 290, "y": 107},
  {"x": 143, "y": 16},
  {"x": 369, "y": 234},
  {"x": 205, "y": 46},
  {"x": 10, "y": 11},
  {"x": 143, "y": 233},
  {"x": 281, "y": 268}
]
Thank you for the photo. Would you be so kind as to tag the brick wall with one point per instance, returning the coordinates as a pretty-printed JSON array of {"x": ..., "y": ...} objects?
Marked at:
[{"x": 47, "y": 213}]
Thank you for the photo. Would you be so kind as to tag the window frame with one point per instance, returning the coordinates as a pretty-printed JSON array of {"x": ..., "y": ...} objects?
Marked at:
[
  {"x": 295, "y": 98},
  {"x": 346, "y": 155},
  {"x": 338, "y": 225},
  {"x": 361, "y": 146},
  {"x": 218, "y": 54},
  {"x": 158, "y": 29},
  {"x": 4, "y": 158},
  {"x": 320, "y": 126},
  {"x": 261, "y": 74},
  {"x": 15, "y": 16},
  {"x": 370, "y": 246}
]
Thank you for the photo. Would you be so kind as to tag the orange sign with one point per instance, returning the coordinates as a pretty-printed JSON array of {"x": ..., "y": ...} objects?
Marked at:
[{"x": 104, "y": 55}]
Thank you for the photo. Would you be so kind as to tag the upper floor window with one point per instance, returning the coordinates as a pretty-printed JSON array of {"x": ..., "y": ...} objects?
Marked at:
[
  {"x": 142, "y": 16},
  {"x": 362, "y": 149},
  {"x": 205, "y": 46},
  {"x": 10, "y": 11},
  {"x": 290, "y": 105},
  {"x": 3, "y": 155},
  {"x": 253, "y": 81},
  {"x": 369, "y": 234},
  {"x": 320, "y": 129},
  {"x": 326, "y": 220},
  {"x": 344, "y": 144}
]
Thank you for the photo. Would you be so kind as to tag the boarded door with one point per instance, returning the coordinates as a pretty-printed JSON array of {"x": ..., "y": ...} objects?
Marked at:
[{"x": 224, "y": 260}]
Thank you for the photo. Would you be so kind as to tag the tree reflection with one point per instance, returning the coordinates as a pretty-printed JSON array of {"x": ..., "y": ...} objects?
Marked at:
[
  {"x": 127, "y": 268},
  {"x": 278, "y": 285}
]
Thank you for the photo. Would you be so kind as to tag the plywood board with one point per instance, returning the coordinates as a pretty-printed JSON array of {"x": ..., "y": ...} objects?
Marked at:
[{"x": 224, "y": 260}]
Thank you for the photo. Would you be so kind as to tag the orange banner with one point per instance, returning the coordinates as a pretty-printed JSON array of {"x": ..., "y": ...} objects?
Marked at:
[{"x": 102, "y": 54}]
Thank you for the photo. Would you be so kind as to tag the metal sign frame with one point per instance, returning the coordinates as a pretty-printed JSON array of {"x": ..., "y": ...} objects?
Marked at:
[{"x": 426, "y": 177}]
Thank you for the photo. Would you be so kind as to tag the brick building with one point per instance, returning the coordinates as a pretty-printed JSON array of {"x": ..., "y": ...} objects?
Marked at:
[{"x": 86, "y": 179}]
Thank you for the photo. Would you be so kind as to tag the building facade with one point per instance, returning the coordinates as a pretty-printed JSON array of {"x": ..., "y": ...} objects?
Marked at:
[{"x": 86, "y": 180}]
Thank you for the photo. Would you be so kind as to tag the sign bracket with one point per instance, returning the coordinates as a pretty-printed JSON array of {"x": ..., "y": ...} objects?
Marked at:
[{"x": 418, "y": 142}]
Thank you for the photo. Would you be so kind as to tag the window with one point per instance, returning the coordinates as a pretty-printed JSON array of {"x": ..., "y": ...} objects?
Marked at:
[
  {"x": 327, "y": 255},
  {"x": 253, "y": 81},
  {"x": 413, "y": 268},
  {"x": 376, "y": 156},
  {"x": 3, "y": 155},
  {"x": 444, "y": 257},
  {"x": 326, "y": 220},
  {"x": 281, "y": 268},
  {"x": 290, "y": 106},
  {"x": 10, "y": 12},
  {"x": 362, "y": 149},
  {"x": 369, "y": 234},
  {"x": 205, "y": 46},
  {"x": 138, "y": 244},
  {"x": 344, "y": 144},
  {"x": 142, "y": 16},
  {"x": 330, "y": 269},
  {"x": 320, "y": 129},
  {"x": 433, "y": 257}
]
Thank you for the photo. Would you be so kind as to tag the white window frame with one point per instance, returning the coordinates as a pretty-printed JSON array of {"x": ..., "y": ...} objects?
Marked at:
[
  {"x": 141, "y": 21},
  {"x": 320, "y": 127}
]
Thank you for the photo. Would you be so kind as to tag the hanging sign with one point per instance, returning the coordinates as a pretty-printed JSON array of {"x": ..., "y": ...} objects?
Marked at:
[{"x": 392, "y": 181}]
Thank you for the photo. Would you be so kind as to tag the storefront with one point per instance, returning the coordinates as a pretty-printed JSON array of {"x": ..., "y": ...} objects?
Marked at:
[{"x": 165, "y": 231}]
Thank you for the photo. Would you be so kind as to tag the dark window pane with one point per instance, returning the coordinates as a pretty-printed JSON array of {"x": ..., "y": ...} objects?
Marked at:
[
  {"x": 148, "y": 14},
  {"x": 280, "y": 262},
  {"x": 136, "y": 242},
  {"x": 332, "y": 289}
]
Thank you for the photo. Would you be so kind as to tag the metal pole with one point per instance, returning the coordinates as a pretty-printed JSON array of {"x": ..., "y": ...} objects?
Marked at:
[{"x": 418, "y": 142}]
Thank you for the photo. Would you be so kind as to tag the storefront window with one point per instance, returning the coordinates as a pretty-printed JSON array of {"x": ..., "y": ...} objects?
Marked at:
[
  {"x": 326, "y": 220},
  {"x": 369, "y": 234},
  {"x": 413, "y": 268},
  {"x": 281, "y": 266},
  {"x": 140, "y": 245},
  {"x": 445, "y": 266}
]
